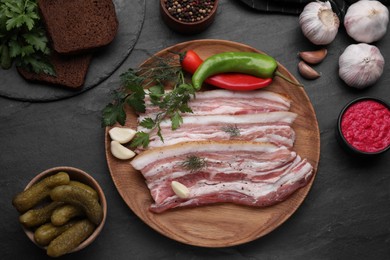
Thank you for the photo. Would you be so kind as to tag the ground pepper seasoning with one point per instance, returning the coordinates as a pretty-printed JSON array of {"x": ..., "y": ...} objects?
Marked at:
[{"x": 189, "y": 10}]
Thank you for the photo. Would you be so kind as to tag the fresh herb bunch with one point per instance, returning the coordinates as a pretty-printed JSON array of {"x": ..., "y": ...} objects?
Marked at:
[
  {"x": 22, "y": 37},
  {"x": 149, "y": 81}
]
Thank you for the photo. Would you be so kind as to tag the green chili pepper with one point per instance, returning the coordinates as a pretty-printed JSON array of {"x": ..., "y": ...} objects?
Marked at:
[{"x": 256, "y": 64}]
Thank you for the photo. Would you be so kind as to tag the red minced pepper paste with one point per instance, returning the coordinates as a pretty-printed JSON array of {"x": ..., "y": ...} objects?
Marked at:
[{"x": 366, "y": 126}]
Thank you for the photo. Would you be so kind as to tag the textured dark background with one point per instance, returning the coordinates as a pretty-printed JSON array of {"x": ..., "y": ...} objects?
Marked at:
[{"x": 345, "y": 216}]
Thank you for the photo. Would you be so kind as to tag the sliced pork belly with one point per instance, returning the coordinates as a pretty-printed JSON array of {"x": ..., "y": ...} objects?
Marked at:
[
  {"x": 273, "y": 127},
  {"x": 226, "y": 102},
  {"x": 248, "y": 173},
  {"x": 241, "y": 192}
]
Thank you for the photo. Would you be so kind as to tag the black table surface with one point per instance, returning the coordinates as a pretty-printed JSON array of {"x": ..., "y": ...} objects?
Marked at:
[{"x": 346, "y": 214}]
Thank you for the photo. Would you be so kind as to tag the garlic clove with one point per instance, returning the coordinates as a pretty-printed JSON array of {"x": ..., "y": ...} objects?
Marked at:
[
  {"x": 307, "y": 72},
  {"x": 361, "y": 65},
  {"x": 121, "y": 134},
  {"x": 319, "y": 23},
  {"x": 313, "y": 57},
  {"x": 366, "y": 21},
  {"x": 121, "y": 152},
  {"x": 180, "y": 190}
]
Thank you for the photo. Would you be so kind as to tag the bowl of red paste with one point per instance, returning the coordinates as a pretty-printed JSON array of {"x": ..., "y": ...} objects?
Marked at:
[{"x": 363, "y": 126}]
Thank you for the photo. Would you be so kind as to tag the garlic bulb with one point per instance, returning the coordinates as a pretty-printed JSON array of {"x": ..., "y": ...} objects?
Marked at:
[
  {"x": 366, "y": 21},
  {"x": 319, "y": 23},
  {"x": 361, "y": 65}
]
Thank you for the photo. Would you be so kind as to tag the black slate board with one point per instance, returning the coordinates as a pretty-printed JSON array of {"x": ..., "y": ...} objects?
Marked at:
[{"x": 130, "y": 16}]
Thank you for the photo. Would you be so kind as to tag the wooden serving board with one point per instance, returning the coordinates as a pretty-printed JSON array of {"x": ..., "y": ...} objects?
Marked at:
[{"x": 221, "y": 225}]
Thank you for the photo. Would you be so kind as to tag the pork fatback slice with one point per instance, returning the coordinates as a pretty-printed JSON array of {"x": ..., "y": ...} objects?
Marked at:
[
  {"x": 273, "y": 127},
  {"x": 243, "y": 165},
  {"x": 226, "y": 102}
]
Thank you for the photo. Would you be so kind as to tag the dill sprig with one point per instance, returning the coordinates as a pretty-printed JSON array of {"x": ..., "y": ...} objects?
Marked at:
[
  {"x": 150, "y": 80},
  {"x": 194, "y": 163},
  {"x": 232, "y": 130}
]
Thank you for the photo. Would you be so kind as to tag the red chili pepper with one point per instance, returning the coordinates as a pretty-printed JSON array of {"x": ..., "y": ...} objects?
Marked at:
[{"x": 232, "y": 81}]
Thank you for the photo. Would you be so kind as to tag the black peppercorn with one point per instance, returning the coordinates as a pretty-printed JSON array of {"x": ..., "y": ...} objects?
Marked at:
[{"x": 189, "y": 10}]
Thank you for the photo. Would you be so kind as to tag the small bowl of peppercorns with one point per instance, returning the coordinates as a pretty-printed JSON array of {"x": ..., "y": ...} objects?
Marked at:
[{"x": 188, "y": 16}]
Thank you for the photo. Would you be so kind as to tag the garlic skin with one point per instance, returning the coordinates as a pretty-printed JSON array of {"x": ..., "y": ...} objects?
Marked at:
[
  {"x": 361, "y": 65},
  {"x": 319, "y": 23},
  {"x": 313, "y": 57},
  {"x": 307, "y": 72},
  {"x": 366, "y": 21}
]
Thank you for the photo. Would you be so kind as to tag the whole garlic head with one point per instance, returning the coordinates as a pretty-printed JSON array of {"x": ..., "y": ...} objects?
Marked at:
[
  {"x": 366, "y": 21},
  {"x": 319, "y": 23},
  {"x": 361, "y": 65}
]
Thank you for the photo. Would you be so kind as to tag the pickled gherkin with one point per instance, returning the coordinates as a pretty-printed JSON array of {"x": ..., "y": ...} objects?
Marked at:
[
  {"x": 70, "y": 238},
  {"x": 39, "y": 216},
  {"x": 63, "y": 214},
  {"x": 84, "y": 186},
  {"x": 47, "y": 232},
  {"x": 39, "y": 191},
  {"x": 81, "y": 198}
]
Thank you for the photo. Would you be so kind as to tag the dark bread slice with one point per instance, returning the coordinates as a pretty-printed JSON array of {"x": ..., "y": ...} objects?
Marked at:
[
  {"x": 70, "y": 71},
  {"x": 76, "y": 26}
]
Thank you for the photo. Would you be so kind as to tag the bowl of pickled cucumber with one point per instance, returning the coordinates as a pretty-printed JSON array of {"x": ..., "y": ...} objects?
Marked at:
[{"x": 62, "y": 210}]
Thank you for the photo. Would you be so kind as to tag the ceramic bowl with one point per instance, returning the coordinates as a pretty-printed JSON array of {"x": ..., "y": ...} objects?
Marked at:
[
  {"x": 187, "y": 27},
  {"x": 342, "y": 139},
  {"x": 81, "y": 176}
]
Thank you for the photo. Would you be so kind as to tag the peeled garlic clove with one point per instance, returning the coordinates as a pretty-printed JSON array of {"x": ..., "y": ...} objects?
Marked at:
[
  {"x": 121, "y": 152},
  {"x": 361, "y": 65},
  {"x": 313, "y": 57},
  {"x": 180, "y": 190},
  {"x": 319, "y": 23},
  {"x": 122, "y": 135},
  {"x": 307, "y": 72},
  {"x": 366, "y": 21}
]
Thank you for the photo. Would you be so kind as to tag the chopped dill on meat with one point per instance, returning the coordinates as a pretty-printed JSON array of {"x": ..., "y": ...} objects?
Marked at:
[
  {"x": 194, "y": 163},
  {"x": 233, "y": 130}
]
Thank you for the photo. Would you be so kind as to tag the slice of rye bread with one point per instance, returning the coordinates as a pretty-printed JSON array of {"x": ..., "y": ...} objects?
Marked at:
[
  {"x": 70, "y": 71},
  {"x": 77, "y": 26}
]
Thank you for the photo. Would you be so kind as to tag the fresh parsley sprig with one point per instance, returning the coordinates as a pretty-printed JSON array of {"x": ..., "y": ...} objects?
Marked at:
[
  {"x": 23, "y": 37},
  {"x": 171, "y": 105},
  {"x": 150, "y": 81}
]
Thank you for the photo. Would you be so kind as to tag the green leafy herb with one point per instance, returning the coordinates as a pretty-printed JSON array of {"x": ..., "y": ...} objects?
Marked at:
[
  {"x": 22, "y": 37},
  {"x": 233, "y": 130},
  {"x": 140, "y": 139},
  {"x": 114, "y": 112},
  {"x": 149, "y": 81},
  {"x": 194, "y": 163}
]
